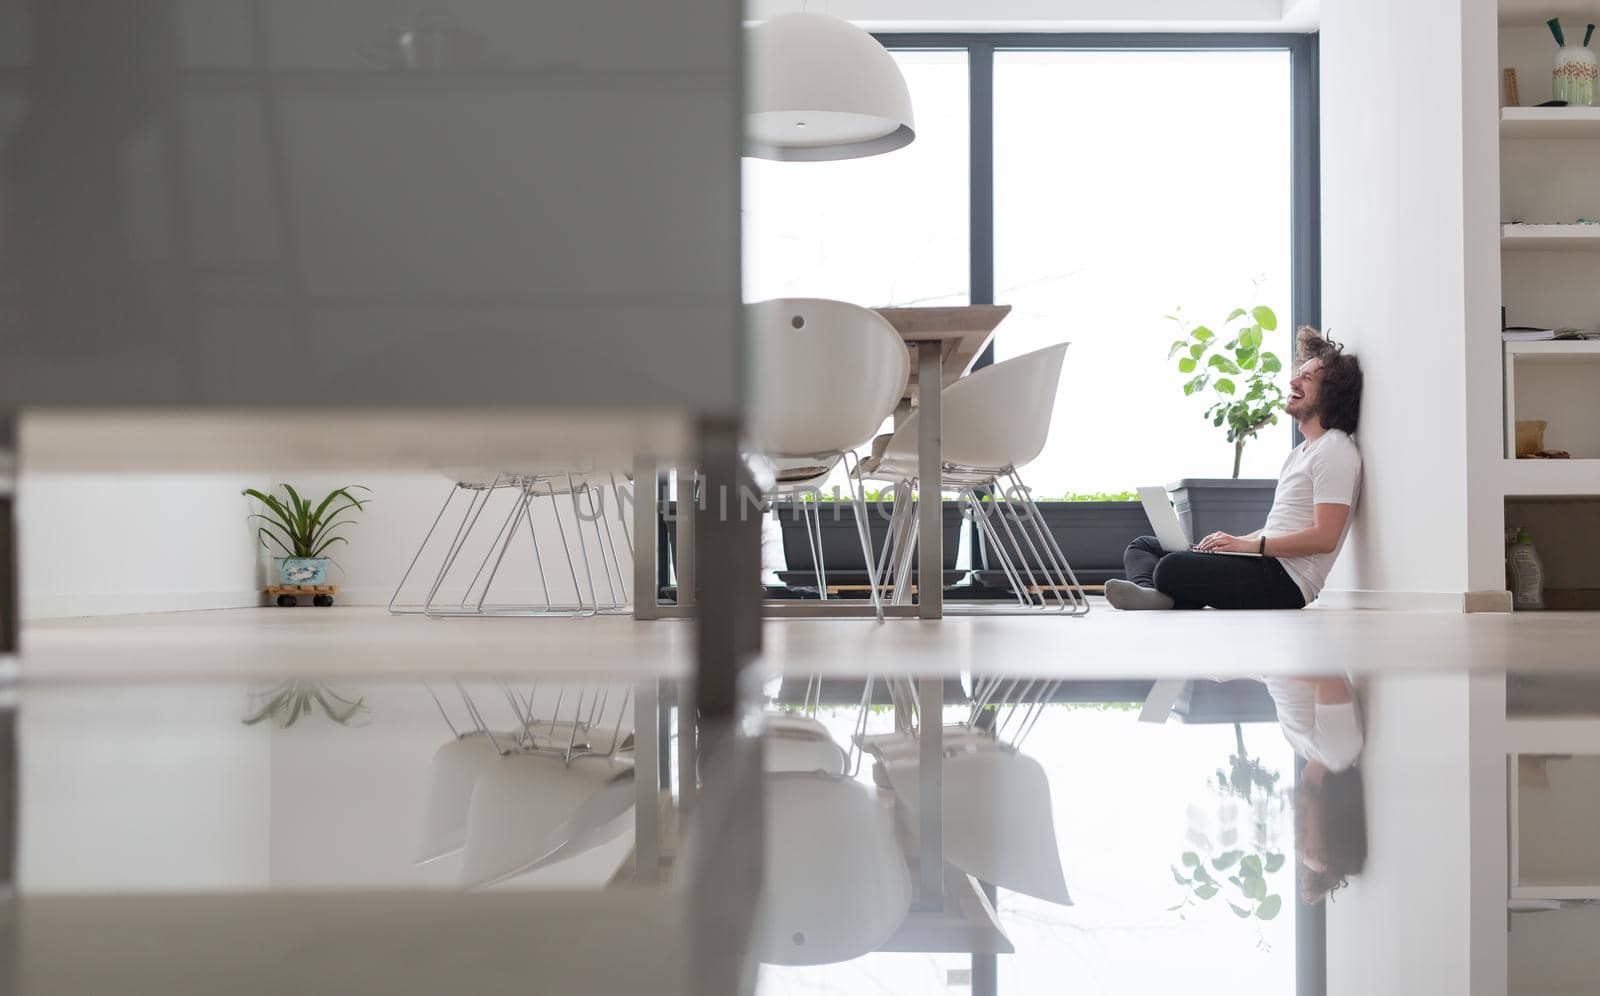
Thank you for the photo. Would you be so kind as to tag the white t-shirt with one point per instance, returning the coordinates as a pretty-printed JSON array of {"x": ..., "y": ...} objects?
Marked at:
[
  {"x": 1328, "y": 734},
  {"x": 1324, "y": 471}
]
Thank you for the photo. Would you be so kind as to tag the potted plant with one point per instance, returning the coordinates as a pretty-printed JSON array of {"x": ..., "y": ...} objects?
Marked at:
[
  {"x": 1092, "y": 529},
  {"x": 1232, "y": 368},
  {"x": 302, "y": 531},
  {"x": 1235, "y": 852}
]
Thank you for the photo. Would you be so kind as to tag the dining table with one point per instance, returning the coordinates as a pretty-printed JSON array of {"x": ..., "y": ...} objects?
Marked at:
[{"x": 944, "y": 342}]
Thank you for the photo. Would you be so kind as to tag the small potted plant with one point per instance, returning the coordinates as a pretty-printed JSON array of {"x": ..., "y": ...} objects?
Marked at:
[
  {"x": 1233, "y": 369},
  {"x": 303, "y": 532}
]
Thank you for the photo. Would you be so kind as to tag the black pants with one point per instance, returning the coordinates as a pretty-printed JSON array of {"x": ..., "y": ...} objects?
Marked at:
[{"x": 1196, "y": 580}]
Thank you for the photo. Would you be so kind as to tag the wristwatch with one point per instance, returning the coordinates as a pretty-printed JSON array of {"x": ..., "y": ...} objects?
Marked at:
[{"x": 1262, "y": 548}]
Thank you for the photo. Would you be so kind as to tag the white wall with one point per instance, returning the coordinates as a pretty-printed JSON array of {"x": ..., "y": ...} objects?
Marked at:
[
  {"x": 1395, "y": 279},
  {"x": 142, "y": 788},
  {"x": 1428, "y": 913},
  {"x": 117, "y": 543},
  {"x": 112, "y": 544}
]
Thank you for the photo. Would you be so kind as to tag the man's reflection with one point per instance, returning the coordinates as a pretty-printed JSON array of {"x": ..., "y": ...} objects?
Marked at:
[{"x": 1320, "y": 718}]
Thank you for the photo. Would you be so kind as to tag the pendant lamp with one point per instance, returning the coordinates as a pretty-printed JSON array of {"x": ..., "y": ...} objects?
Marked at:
[{"x": 823, "y": 89}]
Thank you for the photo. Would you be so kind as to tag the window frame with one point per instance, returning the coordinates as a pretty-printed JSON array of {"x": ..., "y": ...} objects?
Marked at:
[
  {"x": 1305, "y": 256},
  {"x": 1305, "y": 237}
]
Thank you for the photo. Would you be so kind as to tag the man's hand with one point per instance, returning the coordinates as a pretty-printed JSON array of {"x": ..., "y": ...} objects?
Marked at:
[{"x": 1227, "y": 543}]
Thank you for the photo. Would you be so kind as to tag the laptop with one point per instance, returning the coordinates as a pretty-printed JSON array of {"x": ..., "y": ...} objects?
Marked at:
[{"x": 1169, "y": 529}]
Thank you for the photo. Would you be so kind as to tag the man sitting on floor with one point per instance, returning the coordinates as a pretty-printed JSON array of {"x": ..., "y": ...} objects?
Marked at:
[{"x": 1311, "y": 510}]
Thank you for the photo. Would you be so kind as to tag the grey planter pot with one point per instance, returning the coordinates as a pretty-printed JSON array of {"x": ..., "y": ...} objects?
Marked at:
[
  {"x": 301, "y": 570},
  {"x": 1211, "y": 504},
  {"x": 1092, "y": 535},
  {"x": 841, "y": 546}
]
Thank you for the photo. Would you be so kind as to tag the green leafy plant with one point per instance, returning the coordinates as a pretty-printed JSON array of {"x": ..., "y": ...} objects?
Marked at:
[
  {"x": 1234, "y": 856},
  {"x": 298, "y": 529},
  {"x": 286, "y": 703},
  {"x": 1232, "y": 362},
  {"x": 1098, "y": 496}
]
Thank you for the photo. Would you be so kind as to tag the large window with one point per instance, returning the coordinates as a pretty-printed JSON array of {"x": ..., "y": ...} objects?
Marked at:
[
  {"x": 1127, "y": 178},
  {"x": 885, "y": 230},
  {"x": 1127, "y": 185}
]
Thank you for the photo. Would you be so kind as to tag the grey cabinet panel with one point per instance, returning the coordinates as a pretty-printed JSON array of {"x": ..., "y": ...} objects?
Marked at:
[{"x": 241, "y": 203}]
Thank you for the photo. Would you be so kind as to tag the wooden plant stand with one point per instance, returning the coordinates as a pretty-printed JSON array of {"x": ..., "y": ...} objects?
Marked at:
[{"x": 289, "y": 595}]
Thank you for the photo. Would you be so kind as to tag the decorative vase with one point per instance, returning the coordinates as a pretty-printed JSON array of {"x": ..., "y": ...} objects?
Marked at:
[
  {"x": 301, "y": 570},
  {"x": 1574, "y": 76}
]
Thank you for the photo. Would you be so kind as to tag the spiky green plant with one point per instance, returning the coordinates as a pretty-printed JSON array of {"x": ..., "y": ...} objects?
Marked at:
[
  {"x": 297, "y": 528},
  {"x": 286, "y": 703}
]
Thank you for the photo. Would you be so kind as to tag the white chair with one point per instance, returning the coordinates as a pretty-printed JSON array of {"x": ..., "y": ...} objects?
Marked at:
[
  {"x": 596, "y": 570},
  {"x": 836, "y": 883},
  {"x": 455, "y": 770},
  {"x": 530, "y": 809},
  {"x": 559, "y": 784},
  {"x": 801, "y": 743},
  {"x": 996, "y": 815},
  {"x": 995, "y": 421},
  {"x": 825, "y": 375}
]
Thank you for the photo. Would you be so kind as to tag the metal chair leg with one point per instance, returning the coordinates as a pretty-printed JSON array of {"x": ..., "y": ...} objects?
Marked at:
[{"x": 454, "y": 489}]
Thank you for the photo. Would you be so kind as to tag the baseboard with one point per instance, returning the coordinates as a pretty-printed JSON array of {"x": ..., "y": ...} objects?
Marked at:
[
  {"x": 67, "y": 606},
  {"x": 1415, "y": 601},
  {"x": 1488, "y": 601}
]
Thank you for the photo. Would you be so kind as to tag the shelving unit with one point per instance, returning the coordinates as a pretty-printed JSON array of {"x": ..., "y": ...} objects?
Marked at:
[
  {"x": 1553, "y": 792},
  {"x": 1547, "y": 181},
  {"x": 1559, "y": 382}
]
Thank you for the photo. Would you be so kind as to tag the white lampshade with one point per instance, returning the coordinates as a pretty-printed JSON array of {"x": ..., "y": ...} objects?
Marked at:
[{"x": 822, "y": 88}]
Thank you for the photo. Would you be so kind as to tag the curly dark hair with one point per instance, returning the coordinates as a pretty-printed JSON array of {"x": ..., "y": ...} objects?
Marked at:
[
  {"x": 1338, "y": 807},
  {"x": 1339, "y": 404}
]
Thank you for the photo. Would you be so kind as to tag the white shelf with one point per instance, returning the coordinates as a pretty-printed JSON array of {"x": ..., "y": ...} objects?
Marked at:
[
  {"x": 1555, "y": 347},
  {"x": 1550, "y": 237},
  {"x": 1553, "y": 478},
  {"x": 1556, "y": 892},
  {"x": 1553, "y": 736},
  {"x": 1529, "y": 13},
  {"x": 1550, "y": 122}
]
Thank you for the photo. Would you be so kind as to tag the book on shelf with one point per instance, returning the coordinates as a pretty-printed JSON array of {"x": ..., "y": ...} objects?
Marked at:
[{"x": 1522, "y": 333}]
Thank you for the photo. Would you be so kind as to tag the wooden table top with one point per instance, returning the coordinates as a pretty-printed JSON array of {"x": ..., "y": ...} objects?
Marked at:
[{"x": 962, "y": 332}]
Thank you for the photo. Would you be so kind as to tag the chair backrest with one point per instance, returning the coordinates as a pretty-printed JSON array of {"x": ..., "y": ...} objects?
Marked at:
[
  {"x": 1000, "y": 416},
  {"x": 995, "y": 417},
  {"x": 824, "y": 375}
]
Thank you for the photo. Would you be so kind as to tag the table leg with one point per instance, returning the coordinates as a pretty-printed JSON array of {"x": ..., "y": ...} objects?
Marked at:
[
  {"x": 930, "y": 794},
  {"x": 646, "y": 512},
  {"x": 10, "y": 798},
  {"x": 930, "y": 511},
  {"x": 647, "y": 783},
  {"x": 684, "y": 565}
]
